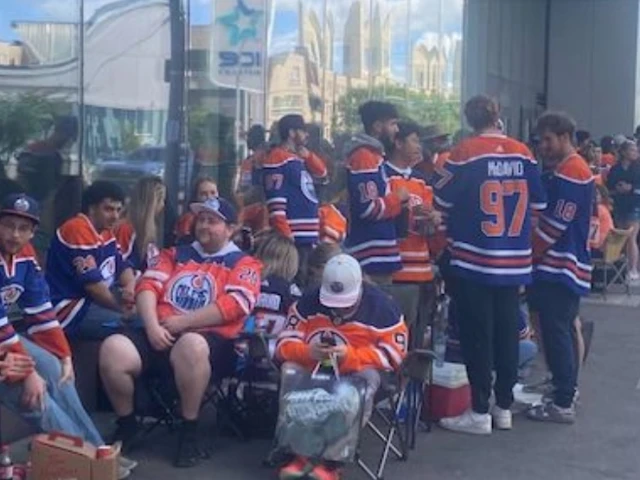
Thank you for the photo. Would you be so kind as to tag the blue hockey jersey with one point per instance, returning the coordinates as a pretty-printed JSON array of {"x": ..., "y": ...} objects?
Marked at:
[
  {"x": 291, "y": 195},
  {"x": 371, "y": 236},
  {"x": 487, "y": 189},
  {"x": 79, "y": 256},
  {"x": 561, "y": 239},
  {"x": 22, "y": 283},
  {"x": 273, "y": 304}
]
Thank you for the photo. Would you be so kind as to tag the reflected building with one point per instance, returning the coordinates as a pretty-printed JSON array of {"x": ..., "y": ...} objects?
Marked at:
[
  {"x": 46, "y": 43},
  {"x": 436, "y": 64},
  {"x": 309, "y": 79},
  {"x": 12, "y": 54}
]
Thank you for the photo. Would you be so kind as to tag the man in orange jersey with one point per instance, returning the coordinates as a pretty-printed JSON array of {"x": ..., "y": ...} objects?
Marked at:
[
  {"x": 192, "y": 301},
  {"x": 349, "y": 323},
  {"x": 422, "y": 222},
  {"x": 289, "y": 173}
]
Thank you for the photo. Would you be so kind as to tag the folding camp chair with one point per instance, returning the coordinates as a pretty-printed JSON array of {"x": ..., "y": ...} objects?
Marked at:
[
  {"x": 399, "y": 400},
  {"x": 614, "y": 264},
  {"x": 157, "y": 403},
  {"x": 241, "y": 400}
]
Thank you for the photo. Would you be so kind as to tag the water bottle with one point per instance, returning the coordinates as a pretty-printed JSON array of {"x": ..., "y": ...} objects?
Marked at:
[
  {"x": 6, "y": 464},
  {"x": 440, "y": 347},
  {"x": 440, "y": 329}
]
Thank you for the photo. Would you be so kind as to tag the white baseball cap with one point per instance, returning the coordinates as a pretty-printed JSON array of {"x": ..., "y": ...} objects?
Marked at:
[{"x": 341, "y": 282}]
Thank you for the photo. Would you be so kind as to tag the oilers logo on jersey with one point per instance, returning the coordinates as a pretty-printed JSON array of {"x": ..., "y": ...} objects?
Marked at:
[
  {"x": 328, "y": 337},
  {"x": 192, "y": 291},
  {"x": 10, "y": 294},
  {"x": 108, "y": 270},
  {"x": 307, "y": 187}
]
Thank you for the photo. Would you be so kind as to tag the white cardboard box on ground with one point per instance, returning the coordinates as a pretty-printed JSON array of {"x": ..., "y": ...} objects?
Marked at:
[{"x": 450, "y": 375}]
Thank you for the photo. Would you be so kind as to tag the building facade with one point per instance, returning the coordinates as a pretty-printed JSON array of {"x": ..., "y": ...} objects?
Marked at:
[{"x": 191, "y": 76}]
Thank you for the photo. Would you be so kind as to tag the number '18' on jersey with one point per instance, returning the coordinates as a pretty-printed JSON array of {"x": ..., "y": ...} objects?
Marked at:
[{"x": 488, "y": 189}]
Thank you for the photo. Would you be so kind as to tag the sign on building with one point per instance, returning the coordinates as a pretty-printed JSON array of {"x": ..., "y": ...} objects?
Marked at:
[{"x": 239, "y": 43}]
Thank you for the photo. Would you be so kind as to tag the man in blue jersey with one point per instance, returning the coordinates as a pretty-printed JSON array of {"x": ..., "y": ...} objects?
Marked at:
[
  {"x": 487, "y": 189},
  {"x": 562, "y": 259},
  {"x": 84, "y": 265},
  {"x": 289, "y": 173},
  {"x": 373, "y": 209}
]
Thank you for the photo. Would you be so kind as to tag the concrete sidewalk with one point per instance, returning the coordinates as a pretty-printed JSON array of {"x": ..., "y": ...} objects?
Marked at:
[{"x": 603, "y": 444}]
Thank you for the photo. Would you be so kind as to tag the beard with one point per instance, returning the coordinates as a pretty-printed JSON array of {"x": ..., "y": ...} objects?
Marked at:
[{"x": 387, "y": 143}]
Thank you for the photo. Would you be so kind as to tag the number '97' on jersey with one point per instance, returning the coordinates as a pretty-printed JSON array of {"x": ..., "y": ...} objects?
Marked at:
[{"x": 488, "y": 189}]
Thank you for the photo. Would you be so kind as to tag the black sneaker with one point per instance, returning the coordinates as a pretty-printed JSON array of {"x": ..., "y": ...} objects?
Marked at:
[
  {"x": 126, "y": 433},
  {"x": 190, "y": 451}
]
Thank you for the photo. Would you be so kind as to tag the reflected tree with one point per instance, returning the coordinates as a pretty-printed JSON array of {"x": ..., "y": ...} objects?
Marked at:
[
  {"x": 424, "y": 108},
  {"x": 24, "y": 117}
]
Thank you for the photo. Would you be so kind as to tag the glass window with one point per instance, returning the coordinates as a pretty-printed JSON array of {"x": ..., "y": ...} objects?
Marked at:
[
  {"x": 39, "y": 100},
  {"x": 295, "y": 77}
]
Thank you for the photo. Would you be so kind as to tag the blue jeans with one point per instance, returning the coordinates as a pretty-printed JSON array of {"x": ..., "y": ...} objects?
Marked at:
[
  {"x": 527, "y": 353},
  {"x": 63, "y": 410},
  {"x": 558, "y": 307},
  {"x": 96, "y": 324}
]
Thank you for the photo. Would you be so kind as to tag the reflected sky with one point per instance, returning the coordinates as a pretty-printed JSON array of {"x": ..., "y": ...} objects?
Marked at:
[{"x": 424, "y": 24}]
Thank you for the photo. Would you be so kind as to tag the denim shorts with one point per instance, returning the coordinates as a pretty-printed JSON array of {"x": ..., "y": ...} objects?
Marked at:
[{"x": 625, "y": 218}]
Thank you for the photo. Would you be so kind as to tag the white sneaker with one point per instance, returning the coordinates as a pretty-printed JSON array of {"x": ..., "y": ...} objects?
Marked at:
[
  {"x": 502, "y": 419},
  {"x": 468, "y": 422},
  {"x": 634, "y": 276}
]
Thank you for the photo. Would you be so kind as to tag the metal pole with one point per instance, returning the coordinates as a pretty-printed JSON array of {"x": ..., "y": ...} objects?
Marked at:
[
  {"x": 81, "y": 110},
  {"x": 409, "y": 73},
  {"x": 175, "y": 114},
  {"x": 370, "y": 66},
  {"x": 440, "y": 52},
  {"x": 324, "y": 64},
  {"x": 265, "y": 63}
]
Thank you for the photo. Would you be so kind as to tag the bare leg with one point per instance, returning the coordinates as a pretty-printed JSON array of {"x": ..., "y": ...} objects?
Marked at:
[
  {"x": 192, "y": 370},
  {"x": 120, "y": 365}
]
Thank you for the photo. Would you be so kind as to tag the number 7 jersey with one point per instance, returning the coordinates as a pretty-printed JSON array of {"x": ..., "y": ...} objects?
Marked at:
[{"x": 488, "y": 189}]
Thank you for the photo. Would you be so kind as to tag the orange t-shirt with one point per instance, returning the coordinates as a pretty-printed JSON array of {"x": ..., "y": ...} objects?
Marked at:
[
  {"x": 608, "y": 159},
  {"x": 601, "y": 227}
]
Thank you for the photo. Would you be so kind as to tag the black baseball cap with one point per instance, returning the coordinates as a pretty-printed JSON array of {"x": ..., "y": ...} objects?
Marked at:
[
  {"x": 221, "y": 207},
  {"x": 21, "y": 205}
]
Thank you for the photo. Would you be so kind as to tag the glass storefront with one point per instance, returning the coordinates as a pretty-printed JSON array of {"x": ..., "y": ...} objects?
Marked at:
[{"x": 171, "y": 86}]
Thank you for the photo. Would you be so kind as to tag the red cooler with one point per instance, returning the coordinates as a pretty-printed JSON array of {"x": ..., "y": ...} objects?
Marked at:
[{"x": 449, "y": 393}]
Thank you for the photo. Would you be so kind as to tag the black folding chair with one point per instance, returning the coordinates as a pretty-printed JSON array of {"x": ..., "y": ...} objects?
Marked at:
[
  {"x": 239, "y": 404},
  {"x": 398, "y": 403}
]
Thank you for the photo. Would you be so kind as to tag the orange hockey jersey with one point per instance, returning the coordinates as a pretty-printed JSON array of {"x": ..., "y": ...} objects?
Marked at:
[
  {"x": 184, "y": 227},
  {"x": 375, "y": 336},
  {"x": 185, "y": 279},
  {"x": 414, "y": 249},
  {"x": 333, "y": 225}
]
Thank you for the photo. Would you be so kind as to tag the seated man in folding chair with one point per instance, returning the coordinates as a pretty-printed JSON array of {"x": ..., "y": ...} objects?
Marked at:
[
  {"x": 192, "y": 300},
  {"x": 368, "y": 335}
]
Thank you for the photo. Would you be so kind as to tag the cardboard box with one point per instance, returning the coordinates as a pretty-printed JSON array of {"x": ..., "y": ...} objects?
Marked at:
[{"x": 57, "y": 456}]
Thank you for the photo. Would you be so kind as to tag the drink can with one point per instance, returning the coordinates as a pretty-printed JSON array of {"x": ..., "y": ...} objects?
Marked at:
[
  {"x": 20, "y": 472},
  {"x": 104, "y": 451}
]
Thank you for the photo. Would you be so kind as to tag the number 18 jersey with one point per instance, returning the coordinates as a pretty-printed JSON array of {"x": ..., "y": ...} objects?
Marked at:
[{"x": 488, "y": 189}]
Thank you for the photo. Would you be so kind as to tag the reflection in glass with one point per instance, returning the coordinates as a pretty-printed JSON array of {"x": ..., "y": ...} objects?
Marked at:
[
  {"x": 38, "y": 106},
  {"x": 327, "y": 57}
]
